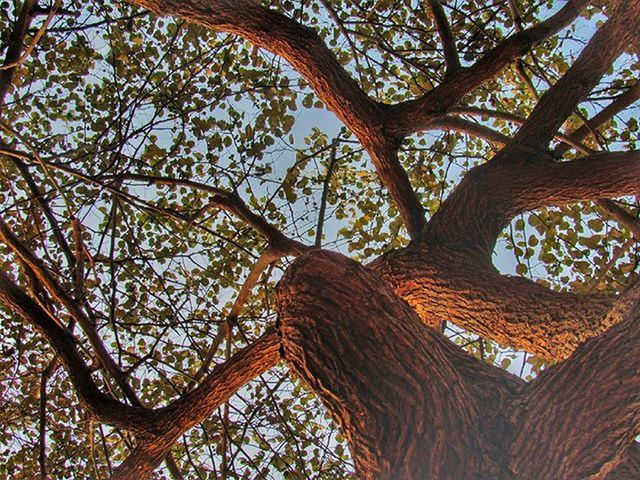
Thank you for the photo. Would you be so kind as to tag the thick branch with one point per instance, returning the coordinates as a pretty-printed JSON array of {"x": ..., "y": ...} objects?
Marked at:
[
  {"x": 445, "y": 284},
  {"x": 594, "y": 395},
  {"x": 557, "y": 104},
  {"x": 416, "y": 115},
  {"x": 101, "y": 406},
  {"x": 191, "y": 409},
  {"x": 404, "y": 396},
  {"x": 299, "y": 45},
  {"x": 490, "y": 195}
]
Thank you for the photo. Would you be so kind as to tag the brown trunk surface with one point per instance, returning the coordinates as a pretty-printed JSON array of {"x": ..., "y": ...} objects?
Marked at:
[{"x": 414, "y": 406}]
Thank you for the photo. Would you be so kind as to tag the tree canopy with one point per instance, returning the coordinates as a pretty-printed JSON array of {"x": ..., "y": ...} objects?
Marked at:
[{"x": 182, "y": 180}]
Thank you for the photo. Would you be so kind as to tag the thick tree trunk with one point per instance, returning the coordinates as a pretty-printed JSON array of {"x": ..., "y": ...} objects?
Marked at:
[
  {"x": 414, "y": 406},
  {"x": 406, "y": 398}
]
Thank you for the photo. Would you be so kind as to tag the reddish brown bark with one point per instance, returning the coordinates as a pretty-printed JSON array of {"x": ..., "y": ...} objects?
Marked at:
[
  {"x": 629, "y": 466},
  {"x": 582, "y": 415},
  {"x": 406, "y": 398},
  {"x": 191, "y": 409},
  {"x": 558, "y": 103},
  {"x": 100, "y": 406},
  {"x": 490, "y": 195},
  {"x": 413, "y": 405},
  {"x": 416, "y": 115},
  {"x": 444, "y": 284}
]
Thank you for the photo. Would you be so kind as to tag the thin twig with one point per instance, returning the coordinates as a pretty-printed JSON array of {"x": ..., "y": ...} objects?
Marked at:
[{"x": 325, "y": 190}]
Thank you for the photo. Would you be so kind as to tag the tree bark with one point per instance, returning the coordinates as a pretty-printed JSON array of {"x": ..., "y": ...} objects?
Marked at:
[
  {"x": 578, "y": 419},
  {"x": 186, "y": 412},
  {"x": 445, "y": 284},
  {"x": 412, "y": 405}
]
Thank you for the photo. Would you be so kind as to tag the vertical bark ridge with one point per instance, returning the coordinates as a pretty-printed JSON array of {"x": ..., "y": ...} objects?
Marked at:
[{"x": 405, "y": 397}]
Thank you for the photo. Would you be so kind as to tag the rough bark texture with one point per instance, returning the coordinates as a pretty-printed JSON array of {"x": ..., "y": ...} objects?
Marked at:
[
  {"x": 629, "y": 466},
  {"x": 414, "y": 406},
  {"x": 411, "y": 404},
  {"x": 490, "y": 195},
  {"x": 181, "y": 415},
  {"x": 406, "y": 397},
  {"x": 561, "y": 413},
  {"x": 444, "y": 284}
]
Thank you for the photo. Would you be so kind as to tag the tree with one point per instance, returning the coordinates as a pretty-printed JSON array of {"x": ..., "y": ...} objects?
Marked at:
[{"x": 148, "y": 217}]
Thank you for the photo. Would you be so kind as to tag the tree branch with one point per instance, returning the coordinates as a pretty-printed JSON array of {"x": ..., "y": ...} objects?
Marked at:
[
  {"x": 451, "y": 58},
  {"x": 629, "y": 466},
  {"x": 557, "y": 104},
  {"x": 490, "y": 195},
  {"x": 101, "y": 406},
  {"x": 568, "y": 140},
  {"x": 16, "y": 40},
  {"x": 454, "y": 285},
  {"x": 194, "y": 407},
  {"x": 268, "y": 257},
  {"x": 595, "y": 395},
  {"x": 418, "y": 114},
  {"x": 306, "y": 52},
  {"x": 232, "y": 203},
  {"x": 616, "y": 106},
  {"x": 623, "y": 216},
  {"x": 325, "y": 191},
  {"x": 63, "y": 298},
  {"x": 458, "y": 124}
]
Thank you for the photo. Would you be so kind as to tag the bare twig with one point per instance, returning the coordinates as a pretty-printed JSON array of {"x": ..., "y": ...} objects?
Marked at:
[{"x": 325, "y": 190}]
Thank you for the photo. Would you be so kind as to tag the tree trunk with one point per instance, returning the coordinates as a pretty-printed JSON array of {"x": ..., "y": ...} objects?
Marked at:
[{"x": 414, "y": 406}]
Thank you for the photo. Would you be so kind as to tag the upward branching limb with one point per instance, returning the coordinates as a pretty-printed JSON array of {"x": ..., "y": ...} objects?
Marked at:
[
  {"x": 308, "y": 54},
  {"x": 191, "y": 409},
  {"x": 418, "y": 114},
  {"x": 451, "y": 58},
  {"x": 490, "y": 195},
  {"x": 387, "y": 379},
  {"x": 618, "y": 105},
  {"x": 557, "y": 104},
  {"x": 59, "y": 293}
]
